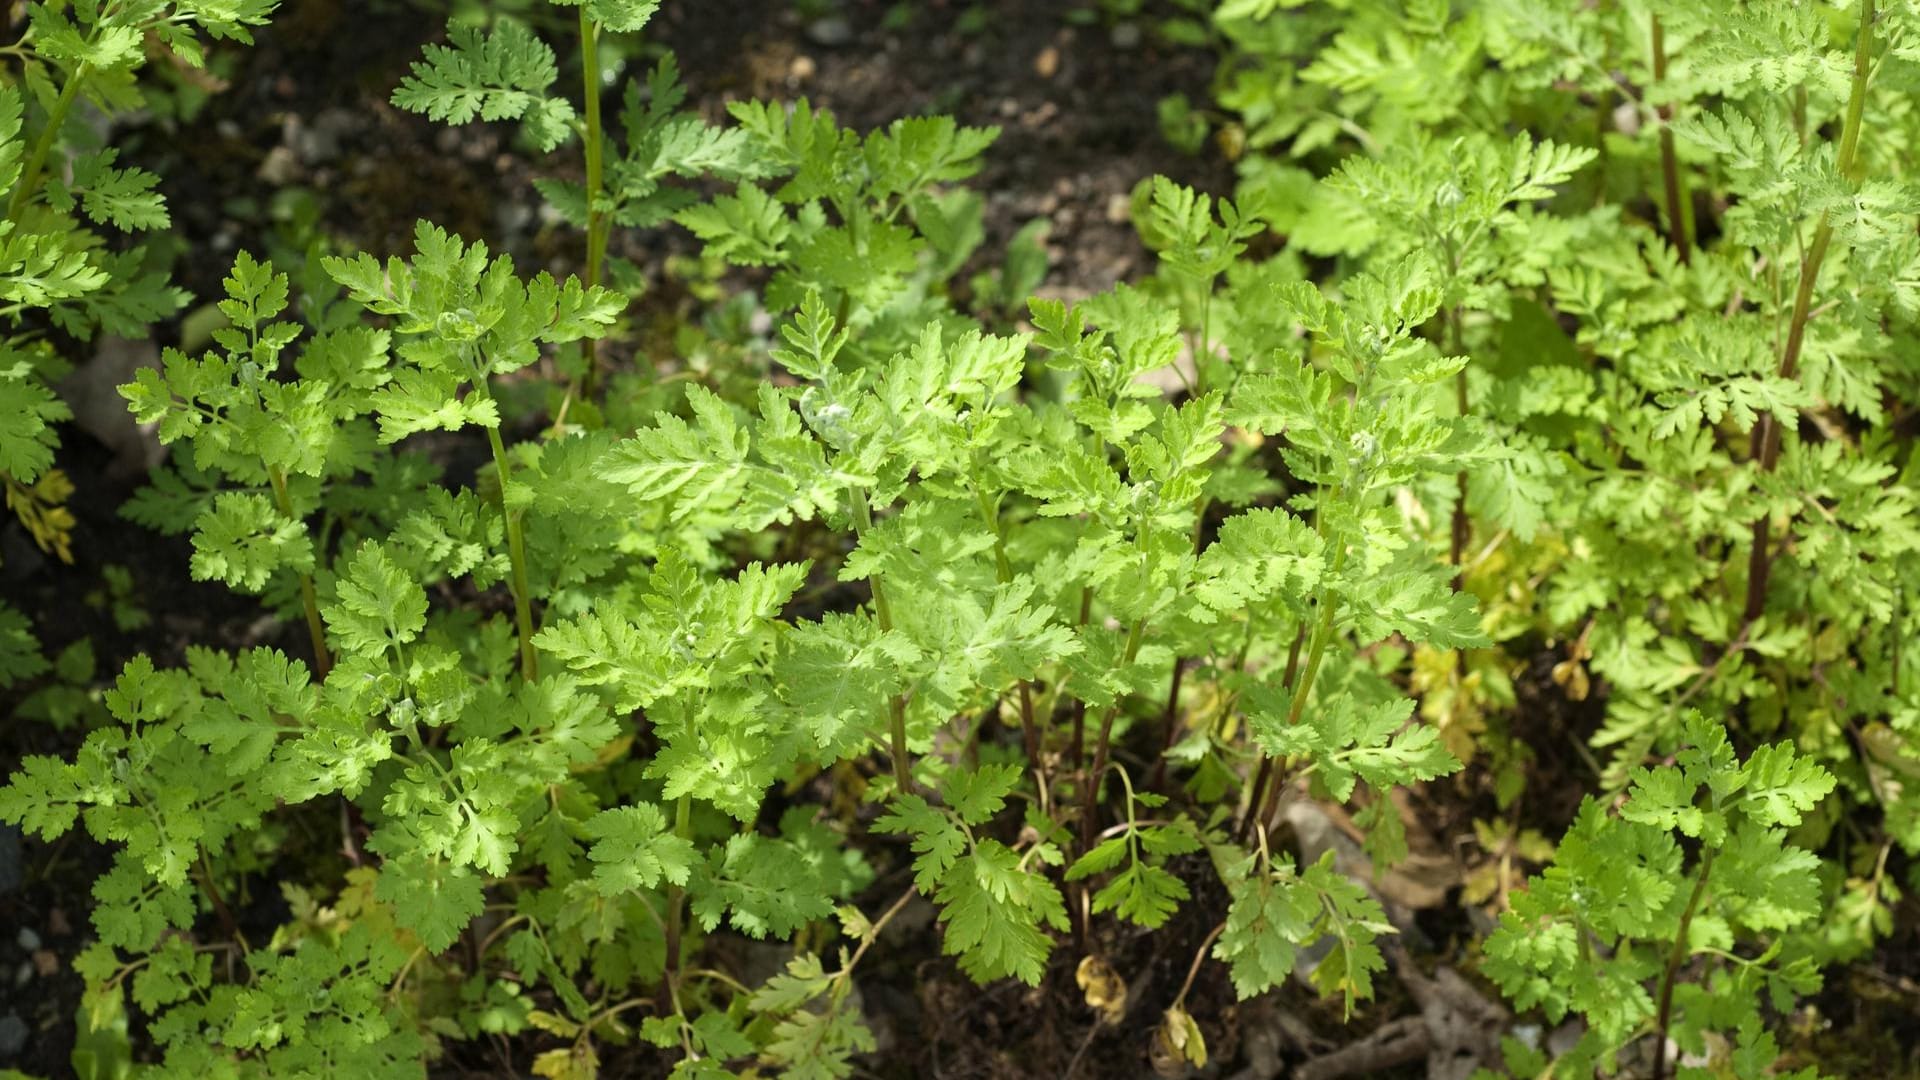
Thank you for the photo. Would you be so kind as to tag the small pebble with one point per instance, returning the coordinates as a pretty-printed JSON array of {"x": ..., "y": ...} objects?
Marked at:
[
  {"x": 13, "y": 1035},
  {"x": 1626, "y": 118},
  {"x": 279, "y": 168},
  {"x": 832, "y": 31},
  {"x": 27, "y": 939},
  {"x": 513, "y": 217},
  {"x": 46, "y": 962},
  {"x": 1047, "y": 64},
  {"x": 1126, "y": 35},
  {"x": 801, "y": 69}
]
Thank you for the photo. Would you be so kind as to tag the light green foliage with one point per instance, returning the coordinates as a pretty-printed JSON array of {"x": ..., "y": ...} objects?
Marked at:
[
  {"x": 995, "y": 903},
  {"x": 898, "y": 588},
  {"x": 1276, "y": 912},
  {"x": 503, "y": 75},
  {"x": 463, "y": 317},
  {"x": 1142, "y": 891},
  {"x": 53, "y": 266},
  {"x": 1592, "y": 934}
]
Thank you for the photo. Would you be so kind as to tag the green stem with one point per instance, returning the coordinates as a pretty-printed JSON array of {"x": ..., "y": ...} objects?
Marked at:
[
  {"x": 1080, "y": 704},
  {"x": 1316, "y": 651},
  {"x": 883, "y": 613},
  {"x": 516, "y": 549},
  {"x": 1765, "y": 444},
  {"x": 1679, "y": 225},
  {"x": 1003, "y": 569},
  {"x": 1265, "y": 773},
  {"x": 1091, "y": 801},
  {"x": 676, "y": 895},
  {"x": 1462, "y": 527},
  {"x": 322, "y": 661},
  {"x": 594, "y": 139},
  {"x": 1675, "y": 957},
  {"x": 1204, "y": 353},
  {"x": 29, "y": 183}
]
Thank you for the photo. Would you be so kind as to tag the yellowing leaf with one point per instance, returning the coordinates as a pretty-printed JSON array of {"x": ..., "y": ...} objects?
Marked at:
[
  {"x": 1105, "y": 990},
  {"x": 576, "y": 1063},
  {"x": 1177, "y": 1044}
]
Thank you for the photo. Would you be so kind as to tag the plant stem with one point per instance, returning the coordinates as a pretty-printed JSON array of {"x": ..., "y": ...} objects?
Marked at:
[
  {"x": 1168, "y": 717},
  {"x": 1003, "y": 569},
  {"x": 37, "y": 159},
  {"x": 1265, "y": 772},
  {"x": 1765, "y": 444},
  {"x": 1678, "y": 220},
  {"x": 596, "y": 226},
  {"x": 1080, "y": 705},
  {"x": 676, "y": 895},
  {"x": 1316, "y": 651},
  {"x": 1675, "y": 957},
  {"x": 1090, "y": 801},
  {"x": 1462, "y": 527},
  {"x": 516, "y": 553},
  {"x": 883, "y": 613},
  {"x": 1199, "y": 957},
  {"x": 316, "y": 631}
]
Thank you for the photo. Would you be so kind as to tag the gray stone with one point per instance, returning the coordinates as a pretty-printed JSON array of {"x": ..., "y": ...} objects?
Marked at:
[
  {"x": 832, "y": 31},
  {"x": 13, "y": 1035}
]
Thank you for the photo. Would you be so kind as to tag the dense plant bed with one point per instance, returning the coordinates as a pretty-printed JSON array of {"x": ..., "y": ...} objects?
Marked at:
[{"x": 735, "y": 590}]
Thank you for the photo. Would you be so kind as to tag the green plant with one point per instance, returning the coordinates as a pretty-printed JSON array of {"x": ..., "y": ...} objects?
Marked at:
[
  {"x": 509, "y": 74},
  {"x": 1471, "y": 389},
  {"x": 1625, "y": 912},
  {"x": 57, "y": 273},
  {"x": 1699, "y": 344}
]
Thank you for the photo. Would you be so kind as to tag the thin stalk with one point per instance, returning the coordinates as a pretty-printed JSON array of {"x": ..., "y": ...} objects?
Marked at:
[
  {"x": 316, "y": 631},
  {"x": 1765, "y": 444},
  {"x": 1675, "y": 957},
  {"x": 1678, "y": 220},
  {"x": 1168, "y": 715},
  {"x": 220, "y": 907},
  {"x": 883, "y": 612},
  {"x": 1204, "y": 352},
  {"x": 1102, "y": 742},
  {"x": 1080, "y": 706},
  {"x": 1316, "y": 651},
  {"x": 1462, "y": 526},
  {"x": 1265, "y": 772},
  {"x": 516, "y": 550},
  {"x": 1167, "y": 723},
  {"x": 676, "y": 895},
  {"x": 1090, "y": 801},
  {"x": 37, "y": 158},
  {"x": 596, "y": 225},
  {"x": 1003, "y": 569}
]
